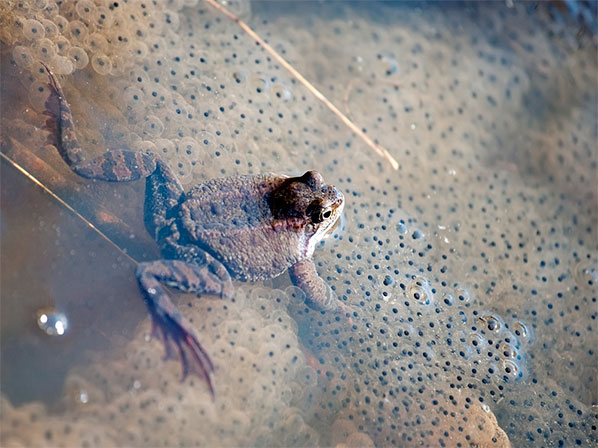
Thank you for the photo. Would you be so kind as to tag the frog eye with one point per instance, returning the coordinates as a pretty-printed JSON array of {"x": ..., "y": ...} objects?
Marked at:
[{"x": 322, "y": 214}]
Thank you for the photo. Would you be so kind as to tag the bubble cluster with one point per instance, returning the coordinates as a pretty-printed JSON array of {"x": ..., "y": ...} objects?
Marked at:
[{"x": 472, "y": 270}]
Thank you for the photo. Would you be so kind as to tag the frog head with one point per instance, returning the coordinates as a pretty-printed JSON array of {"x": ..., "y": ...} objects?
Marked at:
[{"x": 308, "y": 205}]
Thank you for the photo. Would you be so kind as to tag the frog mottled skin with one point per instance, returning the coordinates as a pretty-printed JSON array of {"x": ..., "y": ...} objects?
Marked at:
[{"x": 246, "y": 228}]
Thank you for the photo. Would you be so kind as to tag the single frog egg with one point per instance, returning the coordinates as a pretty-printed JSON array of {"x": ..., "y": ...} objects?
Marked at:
[
  {"x": 101, "y": 63},
  {"x": 78, "y": 57},
  {"x": 33, "y": 29}
]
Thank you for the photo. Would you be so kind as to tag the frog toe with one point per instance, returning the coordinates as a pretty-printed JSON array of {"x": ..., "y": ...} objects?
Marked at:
[
  {"x": 217, "y": 269},
  {"x": 227, "y": 290}
]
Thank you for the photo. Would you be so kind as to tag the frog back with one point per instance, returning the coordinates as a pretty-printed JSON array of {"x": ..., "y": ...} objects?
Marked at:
[{"x": 231, "y": 218}]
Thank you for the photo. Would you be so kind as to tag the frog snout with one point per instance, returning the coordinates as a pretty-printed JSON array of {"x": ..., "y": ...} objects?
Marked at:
[{"x": 340, "y": 198}]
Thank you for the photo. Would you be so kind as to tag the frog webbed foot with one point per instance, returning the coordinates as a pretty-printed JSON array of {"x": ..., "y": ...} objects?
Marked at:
[
  {"x": 180, "y": 342},
  {"x": 175, "y": 332},
  {"x": 318, "y": 295}
]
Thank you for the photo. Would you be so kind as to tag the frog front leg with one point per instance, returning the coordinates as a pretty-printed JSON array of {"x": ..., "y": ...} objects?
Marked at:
[
  {"x": 168, "y": 325},
  {"x": 318, "y": 295}
]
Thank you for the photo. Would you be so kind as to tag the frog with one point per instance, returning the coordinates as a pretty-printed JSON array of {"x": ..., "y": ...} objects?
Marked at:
[{"x": 244, "y": 228}]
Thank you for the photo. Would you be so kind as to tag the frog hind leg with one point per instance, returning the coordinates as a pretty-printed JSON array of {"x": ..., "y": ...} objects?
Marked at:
[
  {"x": 168, "y": 325},
  {"x": 318, "y": 295},
  {"x": 163, "y": 190},
  {"x": 163, "y": 194},
  {"x": 113, "y": 166}
]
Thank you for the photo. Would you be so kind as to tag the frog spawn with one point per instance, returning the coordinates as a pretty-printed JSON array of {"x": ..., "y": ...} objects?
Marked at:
[
  {"x": 260, "y": 396},
  {"x": 462, "y": 306}
]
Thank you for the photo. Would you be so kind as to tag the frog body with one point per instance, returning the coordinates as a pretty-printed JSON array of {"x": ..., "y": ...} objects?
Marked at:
[
  {"x": 233, "y": 219},
  {"x": 246, "y": 228}
]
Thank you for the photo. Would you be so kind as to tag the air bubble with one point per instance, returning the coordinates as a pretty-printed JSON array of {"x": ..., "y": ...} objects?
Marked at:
[
  {"x": 387, "y": 64},
  {"x": 462, "y": 295},
  {"x": 585, "y": 274},
  {"x": 101, "y": 63},
  {"x": 259, "y": 83},
  {"x": 511, "y": 368},
  {"x": 476, "y": 341},
  {"x": 419, "y": 291},
  {"x": 33, "y": 29},
  {"x": 507, "y": 350},
  {"x": 239, "y": 77},
  {"x": 492, "y": 323},
  {"x": 78, "y": 392},
  {"x": 281, "y": 93},
  {"x": 401, "y": 228},
  {"x": 78, "y": 57},
  {"x": 522, "y": 331},
  {"x": 448, "y": 299},
  {"x": 52, "y": 322}
]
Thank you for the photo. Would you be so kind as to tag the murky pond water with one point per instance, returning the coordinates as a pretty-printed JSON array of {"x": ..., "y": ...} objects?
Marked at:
[{"x": 472, "y": 267}]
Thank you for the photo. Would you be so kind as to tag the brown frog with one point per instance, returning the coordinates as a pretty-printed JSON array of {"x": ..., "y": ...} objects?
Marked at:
[{"x": 246, "y": 228}]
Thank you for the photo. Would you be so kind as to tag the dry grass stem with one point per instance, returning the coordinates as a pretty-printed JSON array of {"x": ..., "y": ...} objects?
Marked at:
[
  {"x": 65, "y": 205},
  {"x": 376, "y": 147}
]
